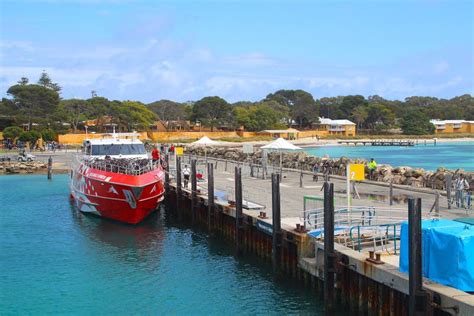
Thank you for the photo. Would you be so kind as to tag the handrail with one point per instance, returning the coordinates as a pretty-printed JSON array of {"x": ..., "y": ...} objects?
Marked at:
[{"x": 133, "y": 166}]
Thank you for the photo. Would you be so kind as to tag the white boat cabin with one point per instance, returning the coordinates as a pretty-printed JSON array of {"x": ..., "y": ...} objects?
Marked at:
[{"x": 114, "y": 147}]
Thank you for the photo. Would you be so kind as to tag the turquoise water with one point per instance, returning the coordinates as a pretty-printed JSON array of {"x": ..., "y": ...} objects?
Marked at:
[
  {"x": 56, "y": 260},
  {"x": 451, "y": 155}
]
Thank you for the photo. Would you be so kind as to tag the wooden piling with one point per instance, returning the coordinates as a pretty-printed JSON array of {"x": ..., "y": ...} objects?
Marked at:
[
  {"x": 167, "y": 173},
  {"x": 238, "y": 210},
  {"x": 417, "y": 302},
  {"x": 193, "y": 191},
  {"x": 329, "y": 258},
  {"x": 210, "y": 195},
  {"x": 179, "y": 187},
  {"x": 50, "y": 167},
  {"x": 276, "y": 222}
]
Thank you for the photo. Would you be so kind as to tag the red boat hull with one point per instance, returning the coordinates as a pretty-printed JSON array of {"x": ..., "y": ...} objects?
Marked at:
[{"x": 121, "y": 197}]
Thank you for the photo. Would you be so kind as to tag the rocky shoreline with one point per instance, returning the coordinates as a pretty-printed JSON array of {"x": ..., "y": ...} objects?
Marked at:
[
  {"x": 404, "y": 175},
  {"x": 33, "y": 167}
]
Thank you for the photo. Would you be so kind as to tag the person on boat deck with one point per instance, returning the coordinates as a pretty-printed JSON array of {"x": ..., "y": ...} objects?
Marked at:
[
  {"x": 155, "y": 154},
  {"x": 372, "y": 166},
  {"x": 186, "y": 173}
]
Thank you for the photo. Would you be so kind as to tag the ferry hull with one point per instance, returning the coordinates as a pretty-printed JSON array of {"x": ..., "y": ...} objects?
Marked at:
[{"x": 125, "y": 198}]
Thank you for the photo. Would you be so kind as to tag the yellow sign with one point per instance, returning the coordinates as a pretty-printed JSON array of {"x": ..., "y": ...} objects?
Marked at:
[
  {"x": 356, "y": 172},
  {"x": 179, "y": 151}
]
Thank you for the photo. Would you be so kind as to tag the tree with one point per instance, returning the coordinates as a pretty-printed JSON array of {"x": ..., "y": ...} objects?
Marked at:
[
  {"x": 12, "y": 132},
  {"x": 329, "y": 107},
  {"x": 48, "y": 135},
  {"x": 168, "y": 110},
  {"x": 302, "y": 107},
  {"x": 359, "y": 115},
  {"x": 379, "y": 114},
  {"x": 258, "y": 117},
  {"x": 46, "y": 82},
  {"x": 23, "y": 81},
  {"x": 30, "y": 137},
  {"x": 132, "y": 115},
  {"x": 34, "y": 100},
  {"x": 416, "y": 123},
  {"x": 73, "y": 111},
  {"x": 349, "y": 103},
  {"x": 212, "y": 112}
]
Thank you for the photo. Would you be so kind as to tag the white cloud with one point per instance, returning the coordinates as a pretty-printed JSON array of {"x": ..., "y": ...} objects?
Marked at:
[{"x": 179, "y": 70}]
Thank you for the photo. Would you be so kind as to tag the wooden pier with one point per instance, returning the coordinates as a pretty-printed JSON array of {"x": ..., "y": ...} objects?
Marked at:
[
  {"x": 399, "y": 143},
  {"x": 361, "y": 283}
]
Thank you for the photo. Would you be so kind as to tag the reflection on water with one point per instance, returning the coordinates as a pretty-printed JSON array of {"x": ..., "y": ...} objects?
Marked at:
[{"x": 63, "y": 262}]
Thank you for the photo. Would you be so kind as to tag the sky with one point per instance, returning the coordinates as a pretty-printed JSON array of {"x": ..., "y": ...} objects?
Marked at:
[{"x": 239, "y": 50}]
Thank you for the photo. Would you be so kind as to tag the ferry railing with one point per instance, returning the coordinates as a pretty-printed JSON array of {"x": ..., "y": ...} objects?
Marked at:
[{"x": 131, "y": 166}]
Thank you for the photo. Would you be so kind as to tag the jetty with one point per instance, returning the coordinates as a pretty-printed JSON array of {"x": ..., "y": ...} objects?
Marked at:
[
  {"x": 378, "y": 142},
  {"x": 310, "y": 231}
]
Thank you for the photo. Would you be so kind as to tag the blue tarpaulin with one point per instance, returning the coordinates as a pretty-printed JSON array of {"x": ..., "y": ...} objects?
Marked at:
[{"x": 447, "y": 252}]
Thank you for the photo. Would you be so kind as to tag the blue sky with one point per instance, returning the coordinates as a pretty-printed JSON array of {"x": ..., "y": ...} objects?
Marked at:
[{"x": 239, "y": 50}]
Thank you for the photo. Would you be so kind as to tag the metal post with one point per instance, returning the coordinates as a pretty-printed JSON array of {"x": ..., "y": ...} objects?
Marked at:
[
  {"x": 225, "y": 168},
  {"x": 276, "y": 224},
  {"x": 449, "y": 184},
  {"x": 193, "y": 191},
  {"x": 329, "y": 266},
  {"x": 50, "y": 167},
  {"x": 417, "y": 302},
  {"x": 301, "y": 178},
  {"x": 391, "y": 192},
  {"x": 437, "y": 203},
  {"x": 210, "y": 194},
  {"x": 238, "y": 210}
]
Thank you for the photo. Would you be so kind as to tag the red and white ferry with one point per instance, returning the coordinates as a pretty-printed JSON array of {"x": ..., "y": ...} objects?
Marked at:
[{"x": 114, "y": 178}]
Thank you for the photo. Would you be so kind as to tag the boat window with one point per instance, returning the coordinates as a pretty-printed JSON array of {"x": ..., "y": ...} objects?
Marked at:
[{"x": 118, "y": 149}]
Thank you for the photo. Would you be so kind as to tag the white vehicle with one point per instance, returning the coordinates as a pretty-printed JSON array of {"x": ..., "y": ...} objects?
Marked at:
[{"x": 26, "y": 157}]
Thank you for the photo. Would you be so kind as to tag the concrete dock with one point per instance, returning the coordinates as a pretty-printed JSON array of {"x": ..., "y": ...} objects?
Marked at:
[{"x": 361, "y": 286}]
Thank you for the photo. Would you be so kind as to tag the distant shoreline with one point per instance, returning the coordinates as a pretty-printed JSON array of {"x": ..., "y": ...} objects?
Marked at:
[{"x": 312, "y": 142}]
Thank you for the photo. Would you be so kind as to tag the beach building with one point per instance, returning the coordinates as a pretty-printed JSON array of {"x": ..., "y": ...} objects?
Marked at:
[
  {"x": 337, "y": 127},
  {"x": 289, "y": 133},
  {"x": 453, "y": 126}
]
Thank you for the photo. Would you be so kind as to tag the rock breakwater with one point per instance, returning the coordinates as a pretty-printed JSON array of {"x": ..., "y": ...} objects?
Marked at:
[{"x": 403, "y": 175}]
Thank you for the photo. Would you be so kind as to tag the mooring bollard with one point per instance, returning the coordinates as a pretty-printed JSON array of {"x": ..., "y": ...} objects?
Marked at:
[
  {"x": 329, "y": 257},
  {"x": 418, "y": 299},
  {"x": 276, "y": 224},
  {"x": 238, "y": 210},
  {"x": 210, "y": 194},
  {"x": 50, "y": 167},
  {"x": 193, "y": 191}
]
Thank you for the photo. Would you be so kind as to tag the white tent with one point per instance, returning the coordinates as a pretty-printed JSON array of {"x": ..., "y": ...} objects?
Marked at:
[
  {"x": 280, "y": 145},
  {"x": 205, "y": 141}
]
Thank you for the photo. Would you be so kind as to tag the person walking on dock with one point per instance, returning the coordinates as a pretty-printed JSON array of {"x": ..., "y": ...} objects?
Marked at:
[
  {"x": 372, "y": 167},
  {"x": 155, "y": 155},
  {"x": 186, "y": 174},
  {"x": 461, "y": 186}
]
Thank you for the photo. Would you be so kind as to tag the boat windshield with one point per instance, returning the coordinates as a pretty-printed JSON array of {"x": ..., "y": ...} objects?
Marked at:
[{"x": 120, "y": 149}]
